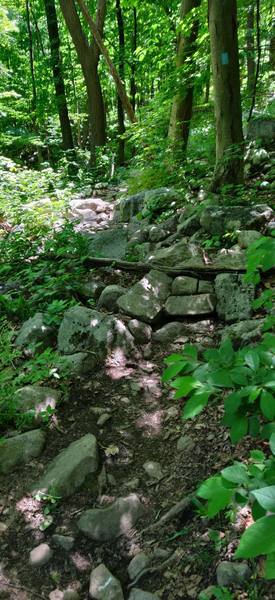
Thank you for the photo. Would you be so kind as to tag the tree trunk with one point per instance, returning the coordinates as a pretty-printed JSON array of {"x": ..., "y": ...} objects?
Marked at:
[
  {"x": 105, "y": 53},
  {"x": 182, "y": 107},
  {"x": 120, "y": 109},
  {"x": 250, "y": 49},
  {"x": 226, "y": 79},
  {"x": 88, "y": 57},
  {"x": 59, "y": 85},
  {"x": 133, "y": 85},
  {"x": 34, "y": 95},
  {"x": 272, "y": 47}
]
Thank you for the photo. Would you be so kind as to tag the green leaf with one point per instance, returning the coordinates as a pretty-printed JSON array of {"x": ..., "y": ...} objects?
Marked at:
[
  {"x": 217, "y": 495},
  {"x": 269, "y": 568},
  {"x": 220, "y": 378},
  {"x": 258, "y": 455},
  {"x": 226, "y": 353},
  {"x": 266, "y": 497},
  {"x": 240, "y": 375},
  {"x": 172, "y": 371},
  {"x": 236, "y": 474},
  {"x": 258, "y": 539},
  {"x": 267, "y": 431},
  {"x": 185, "y": 386},
  {"x": 238, "y": 429},
  {"x": 169, "y": 360},
  {"x": 272, "y": 443},
  {"x": 267, "y": 404},
  {"x": 252, "y": 359},
  {"x": 190, "y": 352},
  {"x": 195, "y": 404},
  {"x": 232, "y": 403}
]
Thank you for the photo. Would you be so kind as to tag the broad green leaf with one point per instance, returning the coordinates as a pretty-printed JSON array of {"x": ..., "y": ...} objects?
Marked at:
[
  {"x": 267, "y": 404},
  {"x": 258, "y": 455},
  {"x": 258, "y": 512},
  {"x": 186, "y": 384},
  {"x": 269, "y": 568},
  {"x": 266, "y": 497},
  {"x": 253, "y": 426},
  {"x": 220, "y": 378},
  {"x": 258, "y": 539},
  {"x": 232, "y": 403},
  {"x": 195, "y": 404},
  {"x": 172, "y": 371},
  {"x": 169, "y": 360},
  {"x": 272, "y": 443},
  {"x": 236, "y": 474},
  {"x": 217, "y": 495},
  {"x": 252, "y": 359},
  {"x": 190, "y": 352},
  {"x": 238, "y": 429},
  {"x": 240, "y": 375},
  {"x": 226, "y": 353},
  {"x": 267, "y": 431}
]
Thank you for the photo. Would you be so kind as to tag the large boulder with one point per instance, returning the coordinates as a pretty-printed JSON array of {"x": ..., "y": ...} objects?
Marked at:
[
  {"x": 76, "y": 365},
  {"x": 20, "y": 449},
  {"x": 105, "y": 524},
  {"x": 109, "y": 243},
  {"x": 146, "y": 298},
  {"x": 36, "y": 400},
  {"x": 34, "y": 335},
  {"x": 137, "y": 594},
  {"x": 131, "y": 206},
  {"x": 261, "y": 128},
  {"x": 202, "y": 304},
  {"x": 68, "y": 471},
  {"x": 84, "y": 329},
  {"x": 217, "y": 220},
  {"x": 244, "y": 333},
  {"x": 234, "y": 297},
  {"x": 176, "y": 254},
  {"x": 232, "y": 574}
]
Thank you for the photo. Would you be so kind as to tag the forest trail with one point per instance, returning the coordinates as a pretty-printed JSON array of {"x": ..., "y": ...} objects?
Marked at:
[{"x": 145, "y": 449}]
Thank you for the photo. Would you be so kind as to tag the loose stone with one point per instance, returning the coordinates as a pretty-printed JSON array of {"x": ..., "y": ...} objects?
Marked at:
[{"x": 40, "y": 555}]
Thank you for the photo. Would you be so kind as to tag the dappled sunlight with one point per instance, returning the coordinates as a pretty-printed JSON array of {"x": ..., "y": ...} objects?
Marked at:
[
  {"x": 31, "y": 510},
  {"x": 81, "y": 562},
  {"x": 151, "y": 423}
]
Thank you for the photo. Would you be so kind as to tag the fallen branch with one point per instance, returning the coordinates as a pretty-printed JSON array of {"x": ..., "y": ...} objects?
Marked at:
[
  {"x": 175, "y": 556},
  {"x": 176, "y": 510}
]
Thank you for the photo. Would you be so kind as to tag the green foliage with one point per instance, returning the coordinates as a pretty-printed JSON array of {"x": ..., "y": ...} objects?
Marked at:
[{"x": 220, "y": 593}]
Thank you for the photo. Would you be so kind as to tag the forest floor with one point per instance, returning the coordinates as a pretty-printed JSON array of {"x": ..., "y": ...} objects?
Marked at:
[{"x": 145, "y": 425}]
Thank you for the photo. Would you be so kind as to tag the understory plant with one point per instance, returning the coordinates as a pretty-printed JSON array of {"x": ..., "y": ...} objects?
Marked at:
[{"x": 244, "y": 379}]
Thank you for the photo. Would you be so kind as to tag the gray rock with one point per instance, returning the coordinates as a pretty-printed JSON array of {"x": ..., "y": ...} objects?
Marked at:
[
  {"x": 168, "y": 333},
  {"x": 123, "y": 341},
  {"x": 146, "y": 298},
  {"x": 262, "y": 128},
  {"x": 65, "y": 542},
  {"x": 232, "y": 574},
  {"x": 259, "y": 156},
  {"x": 190, "y": 305},
  {"x": 247, "y": 237},
  {"x": 217, "y": 220},
  {"x": 67, "y": 472},
  {"x": 34, "y": 335},
  {"x": 157, "y": 200},
  {"x": 109, "y": 243},
  {"x": 40, "y": 555},
  {"x": 139, "y": 236},
  {"x": 205, "y": 287},
  {"x": 137, "y": 564},
  {"x": 153, "y": 469},
  {"x": 185, "y": 444},
  {"x": 157, "y": 234},
  {"x": 71, "y": 595},
  {"x": 104, "y": 586},
  {"x": 131, "y": 206},
  {"x": 234, "y": 297},
  {"x": 109, "y": 296},
  {"x": 137, "y": 594},
  {"x": 20, "y": 449},
  {"x": 103, "y": 419},
  {"x": 244, "y": 333},
  {"x": 189, "y": 225},
  {"x": 184, "y": 286},
  {"x": 84, "y": 329},
  {"x": 35, "y": 400},
  {"x": 78, "y": 364},
  {"x": 140, "y": 331},
  {"x": 91, "y": 289},
  {"x": 104, "y": 524},
  {"x": 176, "y": 254}
]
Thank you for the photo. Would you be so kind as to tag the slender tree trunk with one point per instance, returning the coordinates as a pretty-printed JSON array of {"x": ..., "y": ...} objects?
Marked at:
[
  {"x": 182, "y": 107},
  {"x": 105, "y": 53},
  {"x": 31, "y": 56},
  {"x": 250, "y": 49},
  {"x": 121, "y": 69},
  {"x": 272, "y": 47},
  {"x": 60, "y": 94},
  {"x": 88, "y": 57},
  {"x": 133, "y": 85},
  {"x": 226, "y": 78}
]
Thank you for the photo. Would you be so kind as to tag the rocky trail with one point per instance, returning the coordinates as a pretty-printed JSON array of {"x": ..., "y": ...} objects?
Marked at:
[{"x": 98, "y": 502}]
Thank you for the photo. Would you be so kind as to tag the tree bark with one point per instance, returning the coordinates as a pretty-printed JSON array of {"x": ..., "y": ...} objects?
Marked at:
[
  {"x": 120, "y": 109},
  {"x": 105, "y": 53},
  {"x": 133, "y": 85},
  {"x": 182, "y": 107},
  {"x": 226, "y": 79},
  {"x": 88, "y": 56},
  {"x": 60, "y": 94},
  {"x": 250, "y": 46},
  {"x": 272, "y": 47},
  {"x": 34, "y": 95}
]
